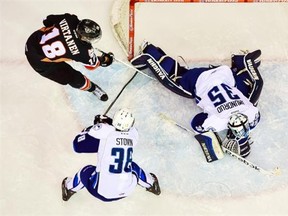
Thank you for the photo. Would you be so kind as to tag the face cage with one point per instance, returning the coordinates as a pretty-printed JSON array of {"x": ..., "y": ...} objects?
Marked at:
[{"x": 243, "y": 133}]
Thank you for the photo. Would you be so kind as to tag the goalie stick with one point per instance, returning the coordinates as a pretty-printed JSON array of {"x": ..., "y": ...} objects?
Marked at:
[{"x": 274, "y": 172}]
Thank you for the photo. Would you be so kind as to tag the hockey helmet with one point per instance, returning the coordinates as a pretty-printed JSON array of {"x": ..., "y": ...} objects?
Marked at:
[
  {"x": 239, "y": 125},
  {"x": 89, "y": 31},
  {"x": 123, "y": 119}
]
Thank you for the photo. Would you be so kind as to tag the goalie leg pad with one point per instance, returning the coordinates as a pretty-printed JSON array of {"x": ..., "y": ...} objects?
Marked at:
[
  {"x": 237, "y": 61},
  {"x": 154, "y": 51},
  {"x": 255, "y": 75},
  {"x": 210, "y": 146},
  {"x": 166, "y": 62},
  {"x": 246, "y": 74},
  {"x": 250, "y": 61},
  {"x": 147, "y": 61},
  {"x": 140, "y": 61}
]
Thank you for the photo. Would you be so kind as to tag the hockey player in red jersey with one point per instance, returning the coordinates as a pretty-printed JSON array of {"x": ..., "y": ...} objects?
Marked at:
[{"x": 66, "y": 38}]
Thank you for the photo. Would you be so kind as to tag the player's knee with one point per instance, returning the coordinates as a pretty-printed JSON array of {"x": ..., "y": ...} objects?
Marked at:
[{"x": 81, "y": 82}]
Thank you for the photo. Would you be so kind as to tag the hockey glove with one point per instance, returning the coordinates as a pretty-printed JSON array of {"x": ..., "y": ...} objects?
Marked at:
[
  {"x": 106, "y": 59},
  {"x": 210, "y": 145},
  {"x": 238, "y": 146},
  {"x": 231, "y": 145},
  {"x": 102, "y": 119}
]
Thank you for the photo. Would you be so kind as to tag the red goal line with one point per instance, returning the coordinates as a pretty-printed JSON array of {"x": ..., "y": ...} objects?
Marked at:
[{"x": 132, "y": 13}]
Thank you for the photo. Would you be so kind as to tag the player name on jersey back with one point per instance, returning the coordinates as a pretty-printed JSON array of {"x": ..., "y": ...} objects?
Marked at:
[
  {"x": 68, "y": 37},
  {"x": 229, "y": 105},
  {"x": 124, "y": 141}
]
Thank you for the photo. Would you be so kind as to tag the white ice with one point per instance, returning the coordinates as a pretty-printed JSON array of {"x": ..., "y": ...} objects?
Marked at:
[{"x": 39, "y": 119}]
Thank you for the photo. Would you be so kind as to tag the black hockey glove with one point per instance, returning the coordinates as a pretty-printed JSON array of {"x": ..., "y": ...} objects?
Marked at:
[
  {"x": 102, "y": 119},
  {"x": 106, "y": 59}
]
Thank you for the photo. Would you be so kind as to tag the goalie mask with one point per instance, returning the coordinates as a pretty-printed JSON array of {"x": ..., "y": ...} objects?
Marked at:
[
  {"x": 123, "y": 119},
  {"x": 239, "y": 125},
  {"x": 89, "y": 31}
]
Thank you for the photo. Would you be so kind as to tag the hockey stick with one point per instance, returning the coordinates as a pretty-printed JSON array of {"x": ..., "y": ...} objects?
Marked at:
[
  {"x": 108, "y": 109},
  {"x": 128, "y": 65},
  {"x": 132, "y": 67},
  {"x": 274, "y": 172},
  {"x": 116, "y": 98}
]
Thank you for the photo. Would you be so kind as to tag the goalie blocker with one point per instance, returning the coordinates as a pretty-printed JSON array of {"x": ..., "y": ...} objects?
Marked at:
[{"x": 210, "y": 145}]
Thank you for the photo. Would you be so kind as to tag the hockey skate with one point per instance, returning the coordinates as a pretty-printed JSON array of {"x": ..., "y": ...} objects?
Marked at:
[
  {"x": 143, "y": 45},
  {"x": 98, "y": 92},
  {"x": 255, "y": 57},
  {"x": 237, "y": 61},
  {"x": 155, "y": 188},
  {"x": 66, "y": 194}
]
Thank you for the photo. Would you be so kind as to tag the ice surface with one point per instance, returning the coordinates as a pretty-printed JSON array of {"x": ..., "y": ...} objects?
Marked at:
[{"x": 39, "y": 119}]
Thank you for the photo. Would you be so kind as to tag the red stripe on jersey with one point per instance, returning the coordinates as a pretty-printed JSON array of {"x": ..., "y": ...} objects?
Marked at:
[{"x": 87, "y": 84}]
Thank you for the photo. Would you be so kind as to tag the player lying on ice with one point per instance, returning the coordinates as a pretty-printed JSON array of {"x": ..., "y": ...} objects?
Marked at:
[
  {"x": 116, "y": 174},
  {"x": 228, "y": 96}
]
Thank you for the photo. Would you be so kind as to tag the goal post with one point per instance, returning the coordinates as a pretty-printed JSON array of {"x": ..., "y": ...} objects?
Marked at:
[{"x": 124, "y": 12}]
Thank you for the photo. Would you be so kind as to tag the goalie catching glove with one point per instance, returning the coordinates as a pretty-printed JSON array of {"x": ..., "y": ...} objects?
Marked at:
[
  {"x": 240, "y": 146},
  {"x": 106, "y": 59}
]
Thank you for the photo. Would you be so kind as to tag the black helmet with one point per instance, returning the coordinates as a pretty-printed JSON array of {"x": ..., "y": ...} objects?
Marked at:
[{"x": 88, "y": 31}]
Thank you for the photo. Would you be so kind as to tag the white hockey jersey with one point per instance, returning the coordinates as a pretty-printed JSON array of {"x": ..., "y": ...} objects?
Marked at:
[
  {"x": 217, "y": 95},
  {"x": 114, "y": 160}
]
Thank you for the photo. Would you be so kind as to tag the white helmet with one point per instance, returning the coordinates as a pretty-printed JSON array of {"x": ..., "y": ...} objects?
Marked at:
[
  {"x": 239, "y": 125},
  {"x": 123, "y": 119}
]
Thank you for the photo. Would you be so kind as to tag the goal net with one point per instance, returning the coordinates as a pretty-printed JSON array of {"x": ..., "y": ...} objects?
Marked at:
[{"x": 202, "y": 31}]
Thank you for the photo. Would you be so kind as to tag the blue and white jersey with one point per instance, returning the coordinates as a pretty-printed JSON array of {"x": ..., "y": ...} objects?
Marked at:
[
  {"x": 114, "y": 158},
  {"x": 217, "y": 95}
]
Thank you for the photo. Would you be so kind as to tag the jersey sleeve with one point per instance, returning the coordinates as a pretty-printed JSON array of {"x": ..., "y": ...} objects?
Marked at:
[
  {"x": 256, "y": 120},
  {"x": 52, "y": 19},
  {"x": 85, "y": 143},
  {"x": 91, "y": 61}
]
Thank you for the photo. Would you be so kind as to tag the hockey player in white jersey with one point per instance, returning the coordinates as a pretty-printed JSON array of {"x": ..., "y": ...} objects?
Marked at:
[
  {"x": 116, "y": 174},
  {"x": 228, "y": 96}
]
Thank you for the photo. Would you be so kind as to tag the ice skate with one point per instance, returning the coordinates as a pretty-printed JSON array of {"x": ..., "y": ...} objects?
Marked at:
[
  {"x": 100, "y": 94},
  {"x": 255, "y": 57},
  {"x": 155, "y": 188},
  {"x": 237, "y": 61},
  {"x": 143, "y": 45},
  {"x": 66, "y": 194}
]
